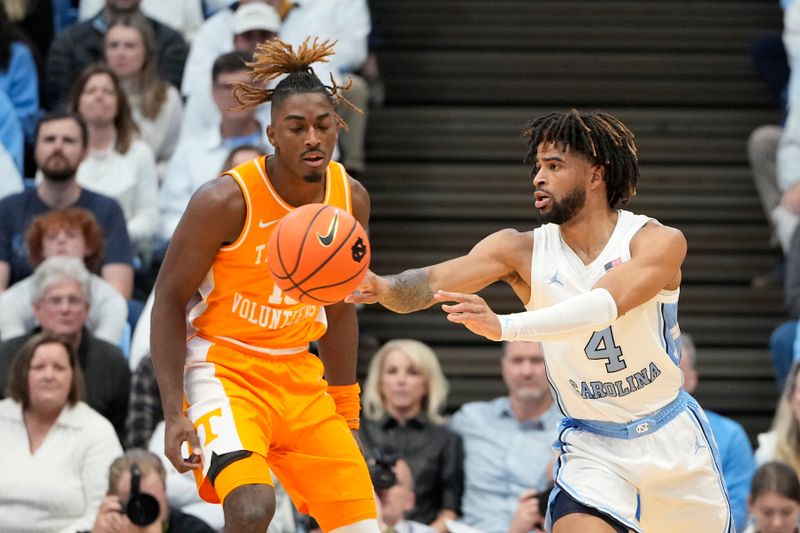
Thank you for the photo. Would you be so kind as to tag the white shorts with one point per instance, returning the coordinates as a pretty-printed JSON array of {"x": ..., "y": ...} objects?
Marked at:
[{"x": 665, "y": 481}]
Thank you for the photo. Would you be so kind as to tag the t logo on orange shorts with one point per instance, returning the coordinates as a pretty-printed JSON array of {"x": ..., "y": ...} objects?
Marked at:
[{"x": 205, "y": 422}]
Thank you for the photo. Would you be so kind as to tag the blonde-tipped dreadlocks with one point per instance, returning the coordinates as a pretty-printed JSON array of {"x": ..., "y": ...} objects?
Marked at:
[
  {"x": 600, "y": 137},
  {"x": 274, "y": 58}
]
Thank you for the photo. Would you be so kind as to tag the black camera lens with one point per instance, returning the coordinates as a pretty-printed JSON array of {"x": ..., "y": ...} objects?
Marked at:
[{"x": 142, "y": 509}]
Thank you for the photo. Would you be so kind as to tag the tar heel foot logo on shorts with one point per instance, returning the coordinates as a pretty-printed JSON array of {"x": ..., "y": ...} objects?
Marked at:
[
  {"x": 359, "y": 250},
  {"x": 327, "y": 239}
]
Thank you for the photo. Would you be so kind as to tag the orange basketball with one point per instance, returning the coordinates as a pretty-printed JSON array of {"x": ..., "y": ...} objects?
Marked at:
[{"x": 318, "y": 254}]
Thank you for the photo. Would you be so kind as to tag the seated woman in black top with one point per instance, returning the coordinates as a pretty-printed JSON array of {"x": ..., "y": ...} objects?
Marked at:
[{"x": 404, "y": 394}]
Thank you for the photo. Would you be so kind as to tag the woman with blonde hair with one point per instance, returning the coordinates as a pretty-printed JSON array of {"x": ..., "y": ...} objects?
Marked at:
[
  {"x": 156, "y": 106},
  {"x": 403, "y": 399},
  {"x": 782, "y": 441}
]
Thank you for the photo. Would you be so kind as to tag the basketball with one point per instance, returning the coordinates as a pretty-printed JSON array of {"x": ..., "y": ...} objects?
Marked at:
[{"x": 318, "y": 254}]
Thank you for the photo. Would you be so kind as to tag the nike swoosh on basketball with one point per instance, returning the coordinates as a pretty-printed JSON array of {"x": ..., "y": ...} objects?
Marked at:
[
  {"x": 262, "y": 224},
  {"x": 327, "y": 239}
]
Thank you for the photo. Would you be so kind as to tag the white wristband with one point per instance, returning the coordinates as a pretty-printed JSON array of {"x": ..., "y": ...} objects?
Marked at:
[{"x": 593, "y": 310}]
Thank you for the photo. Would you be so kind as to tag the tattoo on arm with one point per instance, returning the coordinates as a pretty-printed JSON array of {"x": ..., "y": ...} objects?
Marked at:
[{"x": 408, "y": 291}]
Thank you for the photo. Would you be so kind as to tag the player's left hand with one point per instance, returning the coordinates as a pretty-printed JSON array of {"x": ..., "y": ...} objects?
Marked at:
[{"x": 472, "y": 311}]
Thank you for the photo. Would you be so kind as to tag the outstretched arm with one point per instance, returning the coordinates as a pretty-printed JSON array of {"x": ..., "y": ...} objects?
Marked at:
[
  {"x": 504, "y": 255},
  {"x": 657, "y": 253}
]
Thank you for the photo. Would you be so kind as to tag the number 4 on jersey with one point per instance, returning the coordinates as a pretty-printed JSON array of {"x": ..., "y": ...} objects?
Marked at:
[{"x": 602, "y": 346}]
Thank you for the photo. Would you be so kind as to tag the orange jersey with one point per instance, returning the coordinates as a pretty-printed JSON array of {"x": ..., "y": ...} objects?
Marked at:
[{"x": 241, "y": 304}]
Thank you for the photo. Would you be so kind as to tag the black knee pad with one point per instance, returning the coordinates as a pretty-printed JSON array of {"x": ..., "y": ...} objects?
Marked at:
[{"x": 218, "y": 462}]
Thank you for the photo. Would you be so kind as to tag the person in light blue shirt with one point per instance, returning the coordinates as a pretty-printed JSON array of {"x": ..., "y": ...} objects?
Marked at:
[
  {"x": 508, "y": 441},
  {"x": 736, "y": 453}
]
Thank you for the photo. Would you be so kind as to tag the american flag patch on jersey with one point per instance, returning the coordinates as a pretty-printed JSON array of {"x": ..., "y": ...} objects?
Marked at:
[{"x": 611, "y": 264}]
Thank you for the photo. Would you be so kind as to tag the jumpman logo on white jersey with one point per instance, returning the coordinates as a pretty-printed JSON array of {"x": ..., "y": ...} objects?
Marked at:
[
  {"x": 698, "y": 445},
  {"x": 554, "y": 279}
]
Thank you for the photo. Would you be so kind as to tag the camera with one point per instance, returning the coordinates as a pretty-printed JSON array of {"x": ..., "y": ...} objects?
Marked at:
[
  {"x": 380, "y": 467},
  {"x": 142, "y": 509}
]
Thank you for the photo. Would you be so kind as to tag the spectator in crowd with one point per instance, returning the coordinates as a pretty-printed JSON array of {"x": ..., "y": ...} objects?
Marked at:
[
  {"x": 71, "y": 232},
  {"x": 18, "y": 77},
  {"x": 61, "y": 296},
  {"x": 156, "y": 105},
  {"x": 253, "y": 22},
  {"x": 404, "y": 396},
  {"x": 61, "y": 144},
  {"x": 183, "y": 16},
  {"x": 774, "y": 500},
  {"x": 56, "y": 449},
  {"x": 782, "y": 441},
  {"x": 151, "y": 479},
  {"x": 736, "y": 454},
  {"x": 82, "y": 44},
  {"x": 10, "y": 178},
  {"x": 118, "y": 163},
  {"x": 199, "y": 157},
  {"x": 398, "y": 500},
  {"x": 507, "y": 441}
]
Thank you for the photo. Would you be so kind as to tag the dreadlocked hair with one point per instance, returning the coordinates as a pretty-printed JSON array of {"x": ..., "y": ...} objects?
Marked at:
[
  {"x": 600, "y": 137},
  {"x": 274, "y": 58}
]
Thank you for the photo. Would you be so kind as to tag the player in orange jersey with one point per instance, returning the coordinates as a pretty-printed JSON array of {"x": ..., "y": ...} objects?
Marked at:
[{"x": 244, "y": 393}]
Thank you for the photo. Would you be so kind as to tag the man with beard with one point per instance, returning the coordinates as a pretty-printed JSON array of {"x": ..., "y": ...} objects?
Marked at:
[
  {"x": 244, "y": 393},
  {"x": 508, "y": 443},
  {"x": 600, "y": 287},
  {"x": 61, "y": 144}
]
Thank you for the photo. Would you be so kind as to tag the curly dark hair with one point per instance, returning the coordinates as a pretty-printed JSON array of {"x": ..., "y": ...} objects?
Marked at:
[{"x": 600, "y": 137}]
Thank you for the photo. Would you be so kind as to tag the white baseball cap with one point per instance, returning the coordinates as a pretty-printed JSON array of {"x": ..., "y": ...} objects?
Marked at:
[{"x": 256, "y": 16}]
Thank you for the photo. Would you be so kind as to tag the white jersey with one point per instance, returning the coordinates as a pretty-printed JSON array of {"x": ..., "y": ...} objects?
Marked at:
[{"x": 625, "y": 371}]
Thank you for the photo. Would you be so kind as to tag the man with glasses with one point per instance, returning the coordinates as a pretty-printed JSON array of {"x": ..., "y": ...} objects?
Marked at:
[{"x": 60, "y": 298}]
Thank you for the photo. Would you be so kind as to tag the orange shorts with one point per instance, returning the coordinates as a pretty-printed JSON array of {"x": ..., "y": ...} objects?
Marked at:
[{"x": 276, "y": 406}]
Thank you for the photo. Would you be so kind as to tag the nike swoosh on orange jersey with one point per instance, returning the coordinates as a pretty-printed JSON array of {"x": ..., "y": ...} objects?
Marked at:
[{"x": 262, "y": 224}]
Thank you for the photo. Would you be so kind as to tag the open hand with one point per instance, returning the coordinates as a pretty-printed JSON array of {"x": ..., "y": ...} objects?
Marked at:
[{"x": 472, "y": 311}]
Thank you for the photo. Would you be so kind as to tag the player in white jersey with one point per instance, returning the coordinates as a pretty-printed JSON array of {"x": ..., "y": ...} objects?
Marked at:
[{"x": 600, "y": 287}]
